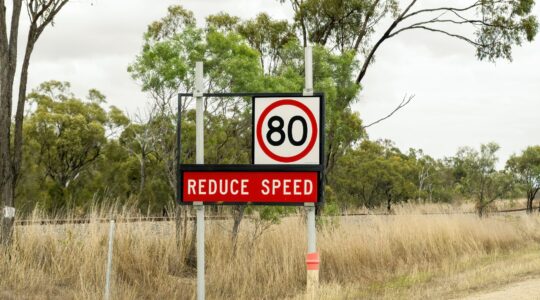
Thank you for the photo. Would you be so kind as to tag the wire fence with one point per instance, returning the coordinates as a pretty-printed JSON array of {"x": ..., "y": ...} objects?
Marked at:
[
  {"x": 441, "y": 213},
  {"x": 105, "y": 220},
  {"x": 120, "y": 219}
]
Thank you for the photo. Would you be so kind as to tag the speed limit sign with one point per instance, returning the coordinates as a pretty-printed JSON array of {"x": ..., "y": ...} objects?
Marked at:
[{"x": 287, "y": 130}]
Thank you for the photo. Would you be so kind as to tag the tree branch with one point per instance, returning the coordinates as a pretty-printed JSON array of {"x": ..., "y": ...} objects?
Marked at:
[
  {"x": 3, "y": 28},
  {"x": 364, "y": 27},
  {"x": 419, "y": 25},
  {"x": 451, "y": 9},
  {"x": 443, "y": 32},
  {"x": 14, "y": 34},
  {"x": 385, "y": 36},
  {"x": 404, "y": 102}
]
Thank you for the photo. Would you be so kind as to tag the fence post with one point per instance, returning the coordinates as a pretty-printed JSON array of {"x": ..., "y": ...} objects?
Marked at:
[{"x": 109, "y": 261}]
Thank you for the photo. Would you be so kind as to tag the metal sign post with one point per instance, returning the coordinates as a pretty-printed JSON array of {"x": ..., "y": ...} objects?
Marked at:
[
  {"x": 199, "y": 149},
  {"x": 312, "y": 257}
]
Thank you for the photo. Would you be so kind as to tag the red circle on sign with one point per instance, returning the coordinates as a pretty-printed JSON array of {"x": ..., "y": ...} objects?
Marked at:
[{"x": 312, "y": 141}]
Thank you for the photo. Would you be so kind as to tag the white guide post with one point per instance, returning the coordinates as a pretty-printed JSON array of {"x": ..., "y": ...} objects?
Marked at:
[
  {"x": 199, "y": 150},
  {"x": 312, "y": 258}
]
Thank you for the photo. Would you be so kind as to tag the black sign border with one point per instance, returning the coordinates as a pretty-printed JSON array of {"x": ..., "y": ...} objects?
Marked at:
[{"x": 181, "y": 168}]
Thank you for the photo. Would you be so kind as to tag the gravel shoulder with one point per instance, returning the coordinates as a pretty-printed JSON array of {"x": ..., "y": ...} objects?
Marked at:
[{"x": 523, "y": 290}]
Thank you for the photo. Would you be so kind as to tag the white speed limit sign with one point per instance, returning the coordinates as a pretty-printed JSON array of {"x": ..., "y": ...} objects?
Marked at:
[{"x": 287, "y": 130}]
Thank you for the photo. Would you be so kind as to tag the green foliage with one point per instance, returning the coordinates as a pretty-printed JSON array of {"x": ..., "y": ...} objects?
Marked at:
[
  {"x": 269, "y": 38},
  {"x": 230, "y": 64},
  {"x": 526, "y": 169},
  {"x": 177, "y": 18},
  {"x": 165, "y": 65},
  {"x": 511, "y": 22},
  {"x": 66, "y": 136},
  {"x": 248, "y": 56},
  {"x": 492, "y": 27},
  {"x": 343, "y": 24},
  {"x": 434, "y": 178},
  {"x": 222, "y": 22},
  {"x": 480, "y": 180},
  {"x": 374, "y": 174}
]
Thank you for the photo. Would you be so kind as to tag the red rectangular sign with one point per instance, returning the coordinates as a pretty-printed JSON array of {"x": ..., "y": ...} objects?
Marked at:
[{"x": 250, "y": 187}]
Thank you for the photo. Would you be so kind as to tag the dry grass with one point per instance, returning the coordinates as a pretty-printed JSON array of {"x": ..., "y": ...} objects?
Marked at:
[
  {"x": 362, "y": 257},
  {"x": 458, "y": 206}
]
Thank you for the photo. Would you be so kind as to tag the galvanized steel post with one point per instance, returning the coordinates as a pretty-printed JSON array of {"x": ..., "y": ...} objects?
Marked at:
[
  {"x": 199, "y": 149},
  {"x": 312, "y": 257}
]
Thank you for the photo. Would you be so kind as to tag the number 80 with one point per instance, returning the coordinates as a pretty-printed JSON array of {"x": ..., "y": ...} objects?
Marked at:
[{"x": 279, "y": 129}]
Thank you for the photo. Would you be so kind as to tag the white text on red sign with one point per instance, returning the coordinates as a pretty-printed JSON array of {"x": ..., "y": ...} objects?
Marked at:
[{"x": 268, "y": 187}]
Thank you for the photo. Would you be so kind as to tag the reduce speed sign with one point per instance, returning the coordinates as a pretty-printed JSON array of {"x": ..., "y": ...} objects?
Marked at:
[{"x": 287, "y": 130}]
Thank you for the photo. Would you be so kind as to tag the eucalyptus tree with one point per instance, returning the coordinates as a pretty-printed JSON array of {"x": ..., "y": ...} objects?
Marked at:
[
  {"x": 375, "y": 174},
  {"x": 479, "y": 177},
  {"x": 41, "y": 14},
  {"x": 68, "y": 136},
  {"x": 492, "y": 27},
  {"x": 139, "y": 140},
  {"x": 268, "y": 37},
  {"x": 526, "y": 168},
  {"x": 260, "y": 54},
  {"x": 165, "y": 67}
]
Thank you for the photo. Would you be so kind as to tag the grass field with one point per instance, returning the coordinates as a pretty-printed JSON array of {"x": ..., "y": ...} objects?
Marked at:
[{"x": 407, "y": 255}]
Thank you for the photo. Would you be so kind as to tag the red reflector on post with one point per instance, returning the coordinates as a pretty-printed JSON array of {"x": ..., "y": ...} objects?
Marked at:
[{"x": 312, "y": 261}]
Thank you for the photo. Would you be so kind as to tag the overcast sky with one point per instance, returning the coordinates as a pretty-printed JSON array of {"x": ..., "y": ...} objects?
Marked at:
[{"x": 459, "y": 100}]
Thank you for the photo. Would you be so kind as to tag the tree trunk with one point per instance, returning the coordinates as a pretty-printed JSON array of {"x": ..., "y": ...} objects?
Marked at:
[
  {"x": 8, "y": 64},
  {"x": 178, "y": 226},
  {"x": 5, "y": 138},
  {"x": 143, "y": 175},
  {"x": 10, "y": 163},
  {"x": 238, "y": 215},
  {"x": 6, "y": 189},
  {"x": 7, "y": 222},
  {"x": 480, "y": 210},
  {"x": 19, "y": 114},
  {"x": 181, "y": 224},
  {"x": 385, "y": 36},
  {"x": 535, "y": 191},
  {"x": 191, "y": 259}
]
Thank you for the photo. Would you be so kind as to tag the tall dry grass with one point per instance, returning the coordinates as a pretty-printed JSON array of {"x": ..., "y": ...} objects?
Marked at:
[{"x": 68, "y": 261}]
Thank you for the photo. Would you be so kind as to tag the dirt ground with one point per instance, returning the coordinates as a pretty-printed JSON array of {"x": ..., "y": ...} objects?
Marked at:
[{"x": 523, "y": 290}]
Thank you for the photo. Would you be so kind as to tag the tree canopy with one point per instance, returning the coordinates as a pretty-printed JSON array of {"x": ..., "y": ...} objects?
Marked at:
[
  {"x": 526, "y": 167},
  {"x": 492, "y": 27}
]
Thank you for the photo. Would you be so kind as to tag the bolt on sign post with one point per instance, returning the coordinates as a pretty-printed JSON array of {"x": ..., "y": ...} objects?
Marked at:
[{"x": 286, "y": 168}]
